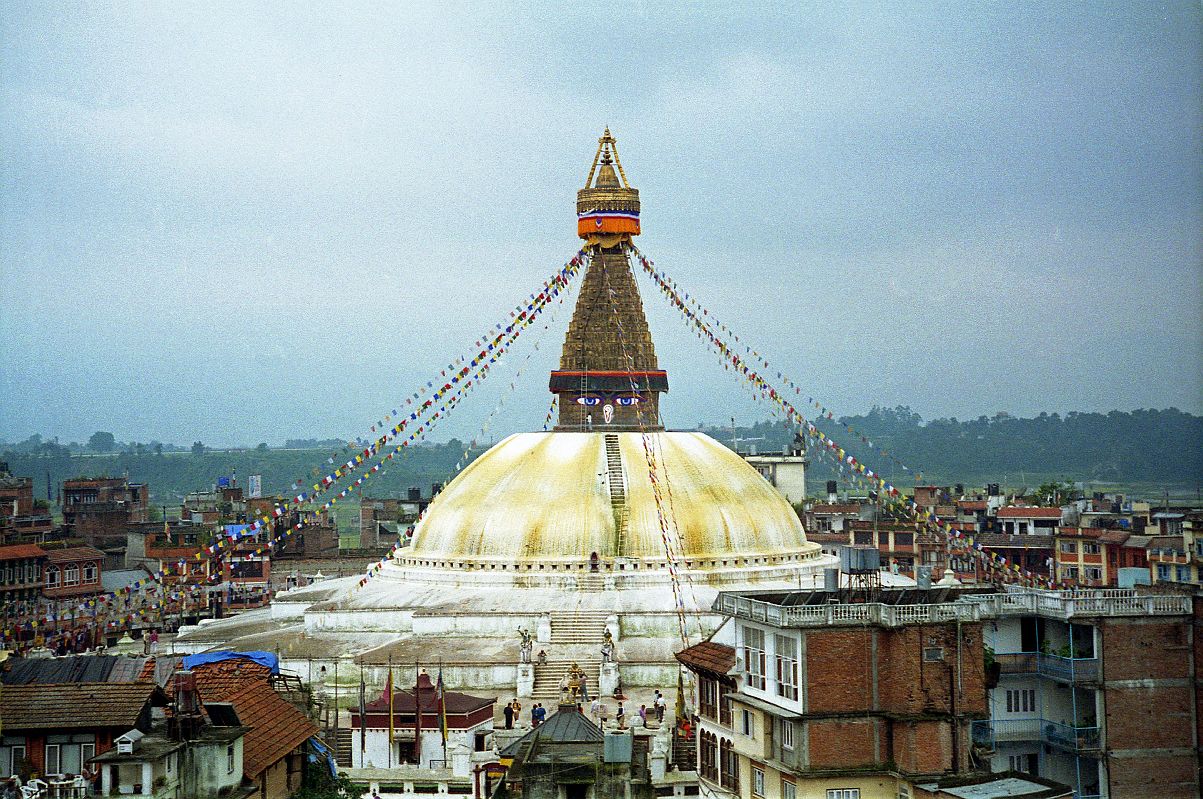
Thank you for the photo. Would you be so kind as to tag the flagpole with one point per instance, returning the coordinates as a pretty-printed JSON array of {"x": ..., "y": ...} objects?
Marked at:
[
  {"x": 442, "y": 712},
  {"x": 389, "y": 682},
  {"x": 417, "y": 713}
]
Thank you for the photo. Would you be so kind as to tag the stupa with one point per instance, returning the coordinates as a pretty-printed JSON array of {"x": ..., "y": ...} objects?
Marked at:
[{"x": 608, "y": 531}]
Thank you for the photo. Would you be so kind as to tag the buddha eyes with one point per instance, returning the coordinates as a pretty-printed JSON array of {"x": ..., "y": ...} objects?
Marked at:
[
  {"x": 588, "y": 400},
  {"x": 593, "y": 400},
  {"x": 628, "y": 400}
]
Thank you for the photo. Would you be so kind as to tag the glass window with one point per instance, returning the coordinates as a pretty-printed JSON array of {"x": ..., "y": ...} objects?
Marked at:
[
  {"x": 787, "y": 667},
  {"x": 1021, "y": 700},
  {"x": 748, "y": 727},
  {"x": 1090, "y": 548},
  {"x": 71, "y": 575},
  {"x": 53, "y": 758},
  {"x": 229, "y": 760},
  {"x": 52, "y": 580},
  {"x": 90, "y": 572},
  {"x": 757, "y": 782},
  {"x": 788, "y": 790},
  {"x": 754, "y": 657},
  {"x": 787, "y": 735},
  {"x": 708, "y": 698},
  {"x": 1069, "y": 546},
  {"x": 843, "y": 793}
]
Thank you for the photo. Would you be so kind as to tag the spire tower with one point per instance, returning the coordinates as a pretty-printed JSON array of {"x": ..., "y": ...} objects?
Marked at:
[{"x": 608, "y": 378}]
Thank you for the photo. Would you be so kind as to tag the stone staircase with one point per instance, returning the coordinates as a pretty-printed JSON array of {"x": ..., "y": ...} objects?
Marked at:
[
  {"x": 549, "y": 675},
  {"x": 577, "y": 629},
  {"x": 617, "y": 481},
  {"x": 344, "y": 740}
]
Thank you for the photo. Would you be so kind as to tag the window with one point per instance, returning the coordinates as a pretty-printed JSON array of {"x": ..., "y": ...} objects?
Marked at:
[
  {"x": 1183, "y": 574},
  {"x": 1163, "y": 572},
  {"x": 1069, "y": 546},
  {"x": 12, "y": 752},
  {"x": 904, "y": 540},
  {"x": 708, "y": 698},
  {"x": 90, "y": 572},
  {"x": 71, "y": 575},
  {"x": 787, "y": 667},
  {"x": 53, "y": 758},
  {"x": 728, "y": 766},
  {"x": 52, "y": 582},
  {"x": 787, "y": 735},
  {"x": 1094, "y": 573},
  {"x": 757, "y": 781},
  {"x": 933, "y": 654},
  {"x": 788, "y": 790},
  {"x": 708, "y": 756},
  {"x": 1021, "y": 700},
  {"x": 1090, "y": 548},
  {"x": 1025, "y": 763},
  {"x": 229, "y": 760},
  {"x": 724, "y": 704},
  {"x": 1069, "y": 572},
  {"x": 843, "y": 793},
  {"x": 754, "y": 657},
  {"x": 747, "y": 723},
  {"x": 170, "y": 762}
]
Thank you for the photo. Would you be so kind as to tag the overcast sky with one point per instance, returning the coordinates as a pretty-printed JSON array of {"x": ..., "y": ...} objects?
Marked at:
[{"x": 242, "y": 224}]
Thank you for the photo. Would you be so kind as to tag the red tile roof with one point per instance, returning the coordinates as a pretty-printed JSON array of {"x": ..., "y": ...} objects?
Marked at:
[
  {"x": 76, "y": 706},
  {"x": 277, "y": 727},
  {"x": 73, "y": 553},
  {"x": 218, "y": 681},
  {"x": 708, "y": 656},
  {"x": 21, "y": 551},
  {"x": 1029, "y": 513},
  {"x": 971, "y": 504},
  {"x": 1114, "y": 536}
]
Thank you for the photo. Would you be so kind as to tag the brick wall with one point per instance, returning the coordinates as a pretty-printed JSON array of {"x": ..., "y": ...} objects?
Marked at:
[{"x": 844, "y": 743}]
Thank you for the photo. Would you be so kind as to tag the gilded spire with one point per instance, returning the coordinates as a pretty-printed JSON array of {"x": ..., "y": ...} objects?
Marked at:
[{"x": 608, "y": 377}]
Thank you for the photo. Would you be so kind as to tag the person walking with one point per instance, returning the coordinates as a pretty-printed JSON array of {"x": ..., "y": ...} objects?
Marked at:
[
  {"x": 595, "y": 710},
  {"x": 660, "y": 704},
  {"x": 508, "y": 712},
  {"x": 621, "y": 717},
  {"x": 643, "y": 715}
]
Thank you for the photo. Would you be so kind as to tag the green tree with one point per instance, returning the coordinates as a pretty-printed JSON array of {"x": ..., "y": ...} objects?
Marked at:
[
  {"x": 198, "y": 448},
  {"x": 102, "y": 442}
]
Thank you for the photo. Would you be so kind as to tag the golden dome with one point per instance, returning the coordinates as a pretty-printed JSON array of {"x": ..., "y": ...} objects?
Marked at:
[{"x": 562, "y": 496}]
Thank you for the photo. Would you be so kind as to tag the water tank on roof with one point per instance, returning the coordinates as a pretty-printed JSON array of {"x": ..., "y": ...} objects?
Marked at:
[
  {"x": 831, "y": 579},
  {"x": 859, "y": 558},
  {"x": 923, "y": 577}
]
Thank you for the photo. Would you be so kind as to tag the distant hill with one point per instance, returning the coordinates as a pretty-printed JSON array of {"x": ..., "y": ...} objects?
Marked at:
[
  {"x": 1127, "y": 448},
  {"x": 1150, "y": 448}
]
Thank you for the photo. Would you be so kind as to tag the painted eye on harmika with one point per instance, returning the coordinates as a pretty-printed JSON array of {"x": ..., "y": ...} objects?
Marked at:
[
  {"x": 628, "y": 400},
  {"x": 588, "y": 400}
]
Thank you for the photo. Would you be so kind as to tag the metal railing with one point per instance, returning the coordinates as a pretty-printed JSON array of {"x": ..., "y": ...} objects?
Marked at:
[
  {"x": 1073, "y": 670},
  {"x": 1077, "y": 740}
]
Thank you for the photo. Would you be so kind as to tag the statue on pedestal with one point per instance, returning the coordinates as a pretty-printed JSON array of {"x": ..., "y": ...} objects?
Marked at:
[
  {"x": 607, "y": 648},
  {"x": 526, "y": 645}
]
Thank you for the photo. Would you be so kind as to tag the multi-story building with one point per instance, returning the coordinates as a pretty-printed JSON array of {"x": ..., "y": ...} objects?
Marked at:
[
  {"x": 72, "y": 572},
  {"x": 98, "y": 510},
  {"x": 804, "y": 693},
  {"x": 1097, "y": 689},
  {"x": 1022, "y": 520},
  {"x": 1079, "y": 557},
  {"x": 22, "y": 519},
  {"x": 20, "y": 573},
  {"x": 807, "y": 694},
  {"x": 785, "y": 470},
  {"x": 382, "y": 520}
]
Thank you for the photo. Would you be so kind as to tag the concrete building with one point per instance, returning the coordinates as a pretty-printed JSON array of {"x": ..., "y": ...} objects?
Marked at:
[
  {"x": 785, "y": 471},
  {"x": 72, "y": 572}
]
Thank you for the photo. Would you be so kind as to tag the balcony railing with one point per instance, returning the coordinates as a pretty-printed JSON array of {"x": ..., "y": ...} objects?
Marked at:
[
  {"x": 1077, "y": 740},
  {"x": 840, "y": 614},
  {"x": 1072, "y": 670},
  {"x": 1081, "y": 603}
]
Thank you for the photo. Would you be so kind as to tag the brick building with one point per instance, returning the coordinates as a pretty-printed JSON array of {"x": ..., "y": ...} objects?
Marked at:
[
  {"x": 382, "y": 520},
  {"x": 72, "y": 572},
  {"x": 22, "y": 520},
  {"x": 21, "y": 572},
  {"x": 98, "y": 510},
  {"x": 810, "y": 694}
]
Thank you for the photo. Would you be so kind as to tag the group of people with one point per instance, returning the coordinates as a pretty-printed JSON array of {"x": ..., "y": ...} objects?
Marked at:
[
  {"x": 510, "y": 712},
  {"x": 601, "y": 714},
  {"x": 538, "y": 714}
]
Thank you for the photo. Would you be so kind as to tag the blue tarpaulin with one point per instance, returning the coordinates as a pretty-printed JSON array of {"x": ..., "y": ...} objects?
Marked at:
[
  {"x": 323, "y": 752},
  {"x": 268, "y": 659}
]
